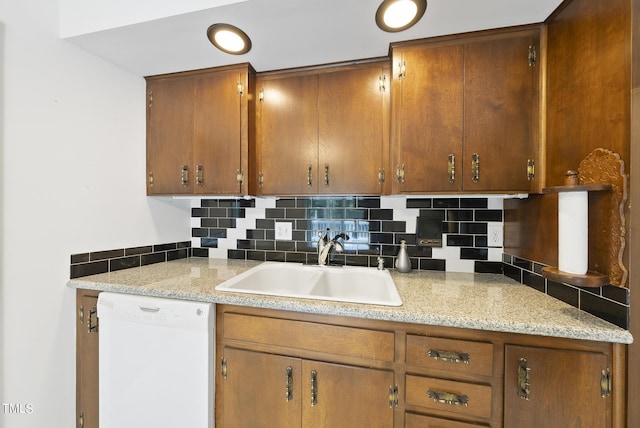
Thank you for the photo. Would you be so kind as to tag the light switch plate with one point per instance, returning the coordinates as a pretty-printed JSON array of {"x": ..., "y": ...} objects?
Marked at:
[{"x": 283, "y": 231}]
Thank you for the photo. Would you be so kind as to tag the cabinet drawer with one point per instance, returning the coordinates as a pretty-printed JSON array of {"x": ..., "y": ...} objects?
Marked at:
[
  {"x": 450, "y": 355},
  {"x": 420, "y": 421},
  {"x": 425, "y": 392},
  {"x": 308, "y": 336}
]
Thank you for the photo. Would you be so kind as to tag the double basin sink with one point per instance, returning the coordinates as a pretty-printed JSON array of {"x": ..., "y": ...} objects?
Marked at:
[{"x": 343, "y": 284}]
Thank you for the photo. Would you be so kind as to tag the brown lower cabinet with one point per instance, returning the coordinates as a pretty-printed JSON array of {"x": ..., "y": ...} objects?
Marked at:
[
  {"x": 288, "y": 369},
  {"x": 86, "y": 359}
]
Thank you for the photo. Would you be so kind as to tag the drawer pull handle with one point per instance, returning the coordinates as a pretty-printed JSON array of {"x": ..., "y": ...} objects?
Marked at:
[
  {"x": 448, "y": 398},
  {"x": 314, "y": 388},
  {"x": 289, "y": 384},
  {"x": 309, "y": 175},
  {"x": 524, "y": 379},
  {"x": 450, "y": 356}
]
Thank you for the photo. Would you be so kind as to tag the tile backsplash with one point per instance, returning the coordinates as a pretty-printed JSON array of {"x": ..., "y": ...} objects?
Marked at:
[
  {"x": 245, "y": 229},
  {"x": 238, "y": 228}
]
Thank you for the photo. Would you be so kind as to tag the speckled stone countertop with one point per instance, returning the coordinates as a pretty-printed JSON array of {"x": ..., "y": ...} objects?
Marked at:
[{"x": 477, "y": 301}]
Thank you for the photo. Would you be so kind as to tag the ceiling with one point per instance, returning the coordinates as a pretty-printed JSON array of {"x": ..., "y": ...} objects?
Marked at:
[{"x": 293, "y": 33}]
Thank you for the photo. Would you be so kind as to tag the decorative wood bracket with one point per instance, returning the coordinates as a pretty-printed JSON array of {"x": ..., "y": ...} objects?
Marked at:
[
  {"x": 605, "y": 166},
  {"x": 601, "y": 170}
]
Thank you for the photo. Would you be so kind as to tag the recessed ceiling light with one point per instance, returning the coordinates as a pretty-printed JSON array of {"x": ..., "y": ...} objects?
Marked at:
[
  {"x": 229, "y": 39},
  {"x": 398, "y": 15}
]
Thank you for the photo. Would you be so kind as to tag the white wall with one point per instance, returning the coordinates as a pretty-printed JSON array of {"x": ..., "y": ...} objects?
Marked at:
[
  {"x": 86, "y": 16},
  {"x": 72, "y": 158}
]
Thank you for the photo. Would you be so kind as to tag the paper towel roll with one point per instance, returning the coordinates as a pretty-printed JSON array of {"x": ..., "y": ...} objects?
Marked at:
[{"x": 573, "y": 232}]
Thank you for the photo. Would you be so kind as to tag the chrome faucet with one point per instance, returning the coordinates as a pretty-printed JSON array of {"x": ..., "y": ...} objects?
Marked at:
[{"x": 325, "y": 246}]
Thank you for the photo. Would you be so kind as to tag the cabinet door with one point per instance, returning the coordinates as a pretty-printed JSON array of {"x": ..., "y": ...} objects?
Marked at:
[
  {"x": 499, "y": 120},
  {"x": 86, "y": 359},
  {"x": 428, "y": 114},
  {"x": 353, "y": 105},
  {"x": 256, "y": 390},
  {"x": 287, "y": 135},
  {"x": 218, "y": 132},
  {"x": 564, "y": 388},
  {"x": 170, "y": 136},
  {"x": 345, "y": 396}
]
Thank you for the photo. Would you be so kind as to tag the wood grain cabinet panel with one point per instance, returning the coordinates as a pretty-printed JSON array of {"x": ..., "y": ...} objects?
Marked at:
[
  {"x": 554, "y": 387},
  {"x": 323, "y": 131},
  {"x": 198, "y": 131},
  {"x": 450, "y": 355},
  {"x": 87, "y": 331},
  {"x": 466, "y": 113},
  {"x": 445, "y": 395},
  {"x": 333, "y": 339},
  {"x": 420, "y": 421},
  {"x": 256, "y": 389}
]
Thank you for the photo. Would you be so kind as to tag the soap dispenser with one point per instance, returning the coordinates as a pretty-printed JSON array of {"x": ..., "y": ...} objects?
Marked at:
[{"x": 403, "y": 264}]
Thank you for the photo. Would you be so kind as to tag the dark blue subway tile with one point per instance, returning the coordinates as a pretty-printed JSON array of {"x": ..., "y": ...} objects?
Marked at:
[
  {"x": 124, "y": 263},
  {"x": 488, "y": 215},
  {"x": 563, "y": 292},
  {"x": 488, "y": 267},
  {"x": 473, "y": 202},
  {"x": 419, "y": 203},
  {"x": 149, "y": 259}
]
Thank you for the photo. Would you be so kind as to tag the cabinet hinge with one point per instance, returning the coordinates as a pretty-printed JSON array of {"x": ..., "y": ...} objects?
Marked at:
[
  {"x": 223, "y": 368},
  {"x": 381, "y": 176},
  {"x": 605, "y": 383},
  {"x": 81, "y": 314},
  {"x": 382, "y": 83},
  {"x": 81, "y": 420},
  {"x": 240, "y": 87},
  {"x": 531, "y": 169},
  {"x": 92, "y": 321},
  {"x": 240, "y": 177},
  {"x": 532, "y": 56},
  {"x": 261, "y": 95},
  {"x": 150, "y": 99},
  {"x": 260, "y": 179},
  {"x": 402, "y": 70},
  {"x": 393, "y": 395}
]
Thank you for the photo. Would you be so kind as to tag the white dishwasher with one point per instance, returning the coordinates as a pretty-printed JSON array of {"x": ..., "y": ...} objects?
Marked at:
[{"x": 156, "y": 359}]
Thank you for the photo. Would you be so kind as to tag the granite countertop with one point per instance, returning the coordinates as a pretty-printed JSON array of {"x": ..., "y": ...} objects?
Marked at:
[{"x": 477, "y": 301}]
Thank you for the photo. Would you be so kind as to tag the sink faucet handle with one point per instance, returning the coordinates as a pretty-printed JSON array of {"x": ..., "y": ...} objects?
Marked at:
[{"x": 380, "y": 260}]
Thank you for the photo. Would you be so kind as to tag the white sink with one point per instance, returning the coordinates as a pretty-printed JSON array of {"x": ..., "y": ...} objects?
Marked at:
[{"x": 344, "y": 284}]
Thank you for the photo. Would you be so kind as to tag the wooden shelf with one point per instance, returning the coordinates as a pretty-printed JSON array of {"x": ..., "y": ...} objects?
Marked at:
[
  {"x": 597, "y": 187},
  {"x": 590, "y": 279}
]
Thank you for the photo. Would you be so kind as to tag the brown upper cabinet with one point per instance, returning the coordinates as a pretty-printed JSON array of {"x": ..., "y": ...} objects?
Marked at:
[
  {"x": 323, "y": 130},
  {"x": 198, "y": 131},
  {"x": 465, "y": 113}
]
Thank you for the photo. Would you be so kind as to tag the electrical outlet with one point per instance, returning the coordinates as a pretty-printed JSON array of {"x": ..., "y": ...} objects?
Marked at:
[
  {"x": 494, "y": 232},
  {"x": 283, "y": 231}
]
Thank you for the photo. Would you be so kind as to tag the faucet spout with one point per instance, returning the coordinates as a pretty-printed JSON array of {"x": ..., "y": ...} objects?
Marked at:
[{"x": 325, "y": 250}]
